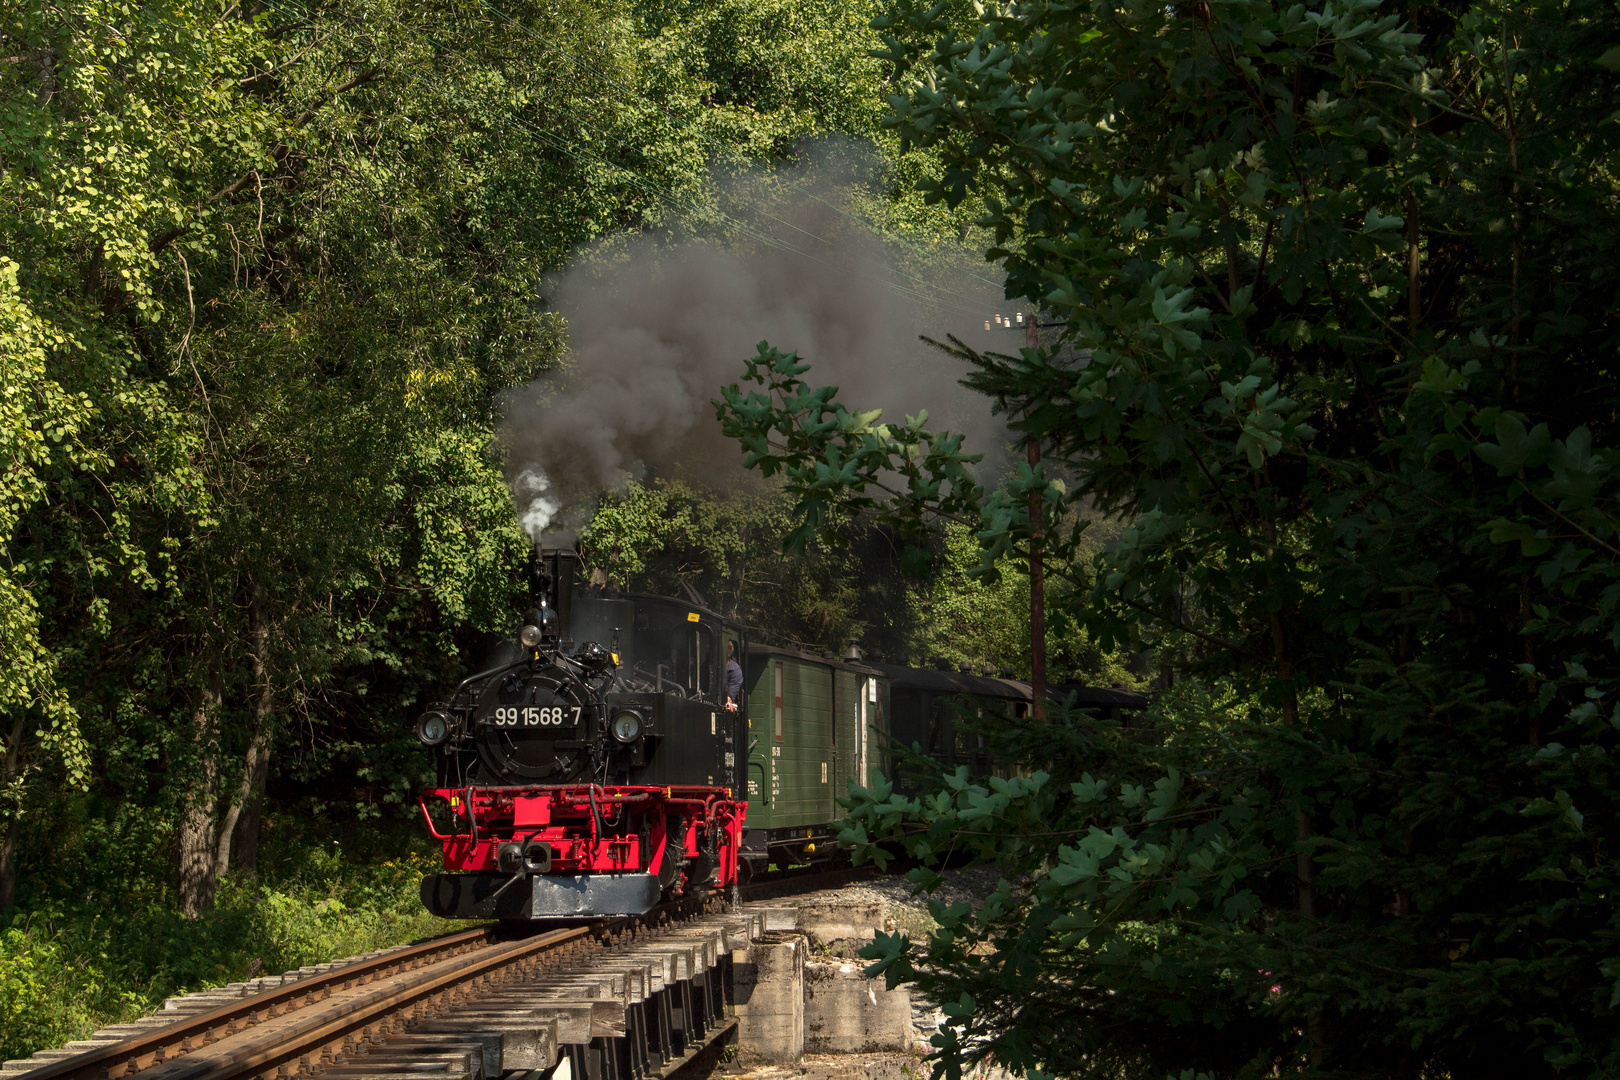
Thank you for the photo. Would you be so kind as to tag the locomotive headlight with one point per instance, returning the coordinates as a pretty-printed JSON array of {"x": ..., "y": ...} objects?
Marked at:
[
  {"x": 626, "y": 726},
  {"x": 432, "y": 728},
  {"x": 530, "y": 636}
]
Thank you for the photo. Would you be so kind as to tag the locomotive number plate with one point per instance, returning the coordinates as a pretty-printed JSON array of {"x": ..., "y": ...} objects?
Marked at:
[{"x": 520, "y": 716}]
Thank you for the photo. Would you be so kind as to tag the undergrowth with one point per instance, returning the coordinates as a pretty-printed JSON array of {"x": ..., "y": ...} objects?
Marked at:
[{"x": 72, "y": 962}]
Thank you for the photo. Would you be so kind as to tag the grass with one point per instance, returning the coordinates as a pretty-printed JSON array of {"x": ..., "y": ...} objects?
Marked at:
[{"x": 73, "y": 963}]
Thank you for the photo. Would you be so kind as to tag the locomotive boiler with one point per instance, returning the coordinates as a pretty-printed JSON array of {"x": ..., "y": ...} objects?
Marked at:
[{"x": 592, "y": 769}]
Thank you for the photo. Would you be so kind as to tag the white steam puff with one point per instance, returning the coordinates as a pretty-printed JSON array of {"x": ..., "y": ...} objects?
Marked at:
[
  {"x": 656, "y": 329},
  {"x": 536, "y": 510}
]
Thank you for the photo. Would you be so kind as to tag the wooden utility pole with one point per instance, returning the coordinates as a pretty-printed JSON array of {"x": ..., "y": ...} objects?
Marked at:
[{"x": 1037, "y": 567}]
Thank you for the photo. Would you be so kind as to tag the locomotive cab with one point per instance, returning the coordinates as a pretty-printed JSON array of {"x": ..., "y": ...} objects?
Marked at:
[{"x": 671, "y": 673}]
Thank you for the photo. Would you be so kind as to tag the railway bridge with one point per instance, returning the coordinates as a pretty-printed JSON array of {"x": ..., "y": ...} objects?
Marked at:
[{"x": 686, "y": 990}]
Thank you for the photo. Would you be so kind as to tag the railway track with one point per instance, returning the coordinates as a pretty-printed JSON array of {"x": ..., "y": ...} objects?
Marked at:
[{"x": 613, "y": 999}]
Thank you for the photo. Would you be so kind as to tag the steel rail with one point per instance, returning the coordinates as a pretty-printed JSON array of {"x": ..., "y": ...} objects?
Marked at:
[
  {"x": 181, "y": 1037},
  {"x": 314, "y": 1036},
  {"x": 300, "y": 1024}
]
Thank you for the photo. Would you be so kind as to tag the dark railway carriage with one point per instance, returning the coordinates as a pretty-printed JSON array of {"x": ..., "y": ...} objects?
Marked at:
[
  {"x": 924, "y": 708},
  {"x": 1123, "y": 706},
  {"x": 814, "y": 724}
]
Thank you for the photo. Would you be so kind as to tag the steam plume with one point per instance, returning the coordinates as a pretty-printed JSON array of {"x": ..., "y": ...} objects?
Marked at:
[{"x": 657, "y": 328}]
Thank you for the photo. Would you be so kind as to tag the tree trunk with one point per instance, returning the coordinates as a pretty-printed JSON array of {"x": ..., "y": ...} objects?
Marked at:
[
  {"x": 8, "y": 848},
  {"x": 241, "y": 823},
  {"x": 45, "y": 62},
  {"x": 8, "y": 868},
  {"x": 1304, "y": 858},
  {"x": 197, "y": 820},
  {"x": 258, "y": 771},
  {"x": 243, "y": 815},
  {"x": 1037, "y": 567}
]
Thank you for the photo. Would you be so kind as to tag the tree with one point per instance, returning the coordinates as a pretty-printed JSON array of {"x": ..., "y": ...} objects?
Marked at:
[
  {"x": 268, "y": 271},
  {"x": 1339, "y": 321},
  {"x": 109, "y": 128},
  {"x": 39, "y": 427}
]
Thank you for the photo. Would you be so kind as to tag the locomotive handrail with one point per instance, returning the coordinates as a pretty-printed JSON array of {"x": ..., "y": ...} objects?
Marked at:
[
  {"x": 421, "y": 801},
  {"x": 597, "y": 828},
  {"x": 634, "y": 796},
  {"x": 484, "y": 675},
  {"x": 577, "y": 791}
]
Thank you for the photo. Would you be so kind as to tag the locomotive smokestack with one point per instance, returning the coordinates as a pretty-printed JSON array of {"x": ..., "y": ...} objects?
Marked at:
[{"x": 553, "y": 574}]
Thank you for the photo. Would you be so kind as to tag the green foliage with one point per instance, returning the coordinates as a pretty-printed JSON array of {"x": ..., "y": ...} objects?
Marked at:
[
  {"x": 667, "y": 536},
  {"x": 1121, "y": 852},
  {"x": 1338, "y": 292},
  {"x": 39, "y": 428},
  {"x": 982, "y": 620},
  {"x": 65, "y": 972},
  {"x": 259, "y": 301}
]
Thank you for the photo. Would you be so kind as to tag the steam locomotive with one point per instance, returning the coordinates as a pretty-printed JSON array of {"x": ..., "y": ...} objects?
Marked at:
[
  {"x": 593, "y": 769},
  {"x": 602, "y": 764}
]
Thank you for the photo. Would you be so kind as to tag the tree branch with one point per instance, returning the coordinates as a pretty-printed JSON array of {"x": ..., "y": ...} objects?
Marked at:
[{"x": 231, "y": 190}]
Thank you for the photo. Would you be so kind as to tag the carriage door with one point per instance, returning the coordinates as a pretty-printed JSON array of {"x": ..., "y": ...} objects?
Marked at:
[
  {"x": 829, "y": 769},
  {"x": 865, "y": 702},
  {"x": 776, "y": 731},
  {"x": 731, "y": 649},
  {"x": 735, "y": 719}
]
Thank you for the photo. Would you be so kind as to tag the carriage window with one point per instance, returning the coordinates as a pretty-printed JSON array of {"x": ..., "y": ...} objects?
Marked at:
[
  {"x": 776, "y": 698},
  {"x": 936, "y": 726}
]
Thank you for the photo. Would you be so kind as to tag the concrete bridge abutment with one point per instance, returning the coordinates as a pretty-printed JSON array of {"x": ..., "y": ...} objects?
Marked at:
[{"x": 799, "y": 990}]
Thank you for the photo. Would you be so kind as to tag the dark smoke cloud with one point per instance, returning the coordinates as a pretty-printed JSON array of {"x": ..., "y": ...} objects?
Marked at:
[{"x": 657, "y": 327}]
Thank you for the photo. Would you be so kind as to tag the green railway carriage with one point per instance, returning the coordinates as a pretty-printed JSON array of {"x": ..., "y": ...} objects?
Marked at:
[{"x": 814, "y": 725}]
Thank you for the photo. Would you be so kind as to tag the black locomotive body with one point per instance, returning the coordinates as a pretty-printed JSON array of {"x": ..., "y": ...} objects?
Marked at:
[{"x": 593, "y": 769}]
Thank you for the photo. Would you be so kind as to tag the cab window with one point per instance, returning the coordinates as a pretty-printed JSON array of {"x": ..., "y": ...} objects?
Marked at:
[{"x": 675, "y": 653}]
